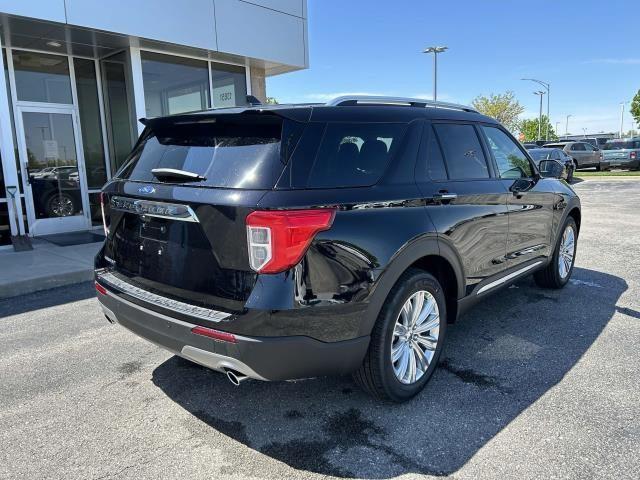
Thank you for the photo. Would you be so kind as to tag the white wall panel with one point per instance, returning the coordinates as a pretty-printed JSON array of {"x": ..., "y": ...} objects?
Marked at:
[
  {"x": 253, "y": 31},
  {"x": 52, "y": 10},
  {"x": 165, "y": 20},
  {"x": 292, "y": 7}
]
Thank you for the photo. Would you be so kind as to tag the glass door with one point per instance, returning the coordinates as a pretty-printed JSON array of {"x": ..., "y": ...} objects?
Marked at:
[{"x": 52, "y": 170}]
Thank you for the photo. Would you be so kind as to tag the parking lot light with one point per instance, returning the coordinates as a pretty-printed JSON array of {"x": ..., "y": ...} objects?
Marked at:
[
  {"x": 547, "y": 87},
  {"x": 541, "y": 93},
  {"x": 566, "y": 126},
  {"x": 435, "y": 51}
]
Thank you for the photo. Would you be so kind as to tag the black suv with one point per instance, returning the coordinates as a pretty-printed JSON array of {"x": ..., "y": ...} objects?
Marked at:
[{"x": 284, "y": 242}]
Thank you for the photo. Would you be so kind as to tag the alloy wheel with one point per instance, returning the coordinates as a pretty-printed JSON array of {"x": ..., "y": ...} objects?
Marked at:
[
  {"x": 415, "y": 337},
  {"x": 567, "y": 252},
  {"x": 62, "y": 206}
]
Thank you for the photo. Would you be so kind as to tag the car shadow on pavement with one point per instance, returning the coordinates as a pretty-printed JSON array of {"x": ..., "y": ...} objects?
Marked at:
[
  {"x": 46, "y": 298},
  {"x": 499, "y": 359}
]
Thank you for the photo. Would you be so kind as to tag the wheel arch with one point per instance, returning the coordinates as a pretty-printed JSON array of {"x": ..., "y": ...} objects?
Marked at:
[{"x": 430, "y": 255}]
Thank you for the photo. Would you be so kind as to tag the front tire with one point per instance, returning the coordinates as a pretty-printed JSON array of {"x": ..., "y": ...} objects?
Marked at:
[
  {"x": 558, "y": 272},
  {"x": 406, "y": 340}
]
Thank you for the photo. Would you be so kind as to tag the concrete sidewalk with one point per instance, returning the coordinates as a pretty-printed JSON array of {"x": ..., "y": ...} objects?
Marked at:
[{"x": 46, "y": 266}]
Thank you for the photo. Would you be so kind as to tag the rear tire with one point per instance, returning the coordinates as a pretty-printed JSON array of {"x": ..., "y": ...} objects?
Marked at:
[
  {"x": 379, "y": 374},
  {"x": 557, "y": 273}
]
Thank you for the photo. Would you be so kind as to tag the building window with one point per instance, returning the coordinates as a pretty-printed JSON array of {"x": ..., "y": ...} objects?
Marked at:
[
  {"x": 229, "y": 85},
  {"x": 41, "y": 77},
  {"x": 174, "y": 84},
  {"x": 90, "y": 122},
  {"x": 117, "y": 107}
]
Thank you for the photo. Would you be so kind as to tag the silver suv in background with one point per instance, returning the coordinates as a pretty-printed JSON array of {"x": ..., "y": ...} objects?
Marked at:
[
  {"x": 584, "y": 154},
  {"x": 623, "y": 153}
]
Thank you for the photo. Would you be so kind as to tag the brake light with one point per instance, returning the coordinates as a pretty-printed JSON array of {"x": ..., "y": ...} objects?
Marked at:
[
  {"x": 633, "y": 155},
  {"x": 100, "y": 289},
  {"x": 215, "y": 334},
  {"x": 278, "y": 239},
  {"x": 105, "y": 222}
]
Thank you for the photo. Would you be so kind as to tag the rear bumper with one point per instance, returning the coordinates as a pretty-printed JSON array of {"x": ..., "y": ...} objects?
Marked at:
[
  {"x": 622, "y": 163},
  {"x": 263, "y": 358}
]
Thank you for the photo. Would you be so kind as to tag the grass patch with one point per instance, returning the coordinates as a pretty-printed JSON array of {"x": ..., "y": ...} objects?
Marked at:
[{"x": 620, "y": 173}]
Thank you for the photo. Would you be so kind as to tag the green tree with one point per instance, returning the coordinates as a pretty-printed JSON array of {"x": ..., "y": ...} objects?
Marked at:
[
  {"x": 503, "y": 107},
  {"x": 635, "y": 107},
  {"x": 529, "y": 128},
  {"x": 272, "y": 101}
]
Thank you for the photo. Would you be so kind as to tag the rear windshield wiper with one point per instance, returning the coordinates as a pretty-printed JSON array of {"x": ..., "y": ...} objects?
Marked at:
[{"x": 173, "y": 173}]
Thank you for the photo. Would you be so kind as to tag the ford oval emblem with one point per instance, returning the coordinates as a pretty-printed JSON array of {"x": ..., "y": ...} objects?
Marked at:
[{"x": 147, "y": 189}]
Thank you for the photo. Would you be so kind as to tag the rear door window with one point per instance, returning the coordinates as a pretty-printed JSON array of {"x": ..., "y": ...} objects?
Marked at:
[
  {"x": 231, "y": 151},
  {"x": 353, "y": 154},
  {"x": 462, "y": 150}
]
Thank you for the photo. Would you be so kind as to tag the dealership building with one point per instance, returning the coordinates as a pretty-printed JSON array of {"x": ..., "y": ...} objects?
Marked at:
[{"x": 78, "y": 74}]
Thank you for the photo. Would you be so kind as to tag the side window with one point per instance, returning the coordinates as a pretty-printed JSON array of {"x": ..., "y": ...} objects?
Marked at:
[
  {"x": 435, "y": 160},
  {"x": 463, "y": 153},
  {"x": 588, "y": 147},
  {"x": 577, "y": 147},
  {"x": 512, "y": 162},
  {"x": 354, "y": 154}
]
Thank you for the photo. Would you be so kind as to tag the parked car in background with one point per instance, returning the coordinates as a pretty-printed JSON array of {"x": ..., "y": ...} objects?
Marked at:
[
  {"x": 584, "y": 154},
  {"x": 623, "y": 153},
  {"x": 555, "y": 154},
  {"x": 284, "y": 242},
  {"x": 530, "y": 145}
]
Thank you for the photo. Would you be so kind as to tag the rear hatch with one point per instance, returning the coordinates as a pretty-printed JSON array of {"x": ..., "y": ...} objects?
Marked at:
[
  {"x": 620, "y": 151},
  {"x": 175, "y": 212}
]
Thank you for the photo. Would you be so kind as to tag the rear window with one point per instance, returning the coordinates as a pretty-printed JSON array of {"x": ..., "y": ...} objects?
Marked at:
[
  {"x": 352, "y": 155},
  {"x": 541, "y": 154},
  {"x": 235, "y": 151},
  {"x": 628, "y": 145}
]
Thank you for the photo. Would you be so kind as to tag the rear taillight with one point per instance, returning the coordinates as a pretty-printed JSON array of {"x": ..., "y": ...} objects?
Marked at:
[
  {"x": 100, "y": 289},
  {"x": 105, "y": 211},
  {"x": 278, "y": 240},
  {"x": 633, "y": 155}
]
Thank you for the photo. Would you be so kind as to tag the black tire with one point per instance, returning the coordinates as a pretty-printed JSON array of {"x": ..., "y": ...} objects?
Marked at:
[
  {"x": 549, "y": 277},
  {"x": 571, "y": 169},
  {"x": 376, "y": 375},
  {"x": 598, "y": 168}
]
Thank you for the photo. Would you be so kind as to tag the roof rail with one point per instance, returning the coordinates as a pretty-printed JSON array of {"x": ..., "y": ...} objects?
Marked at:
[{"x": 352, "y": 100}]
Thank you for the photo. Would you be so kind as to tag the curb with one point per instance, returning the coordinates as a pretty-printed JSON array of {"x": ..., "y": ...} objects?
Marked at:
[{"x": 47, "y": 282}]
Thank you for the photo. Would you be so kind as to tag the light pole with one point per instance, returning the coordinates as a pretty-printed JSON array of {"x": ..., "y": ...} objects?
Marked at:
[
  {"x": 557, "y": 128},
  {"x": 435, "y": 51},
  {"x": 541, "y": 93},
  {"x": 566, "y": 126},
  {"x": 547, "y": 86},
  {"x": 621, "y": 118},
  {"x": 584, "y": 132}
]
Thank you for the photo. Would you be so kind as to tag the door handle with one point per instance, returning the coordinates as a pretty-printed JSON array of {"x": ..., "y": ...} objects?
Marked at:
[{"x": 445, "y": 196}]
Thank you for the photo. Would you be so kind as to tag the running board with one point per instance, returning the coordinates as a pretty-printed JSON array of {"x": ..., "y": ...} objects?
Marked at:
[{"x": 506, "y": 278}]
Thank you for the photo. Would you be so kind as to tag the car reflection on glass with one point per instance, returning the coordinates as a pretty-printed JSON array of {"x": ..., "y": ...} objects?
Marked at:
[
  {"x": 566, "y": 168},
  {"x": 56, "y": 192}
]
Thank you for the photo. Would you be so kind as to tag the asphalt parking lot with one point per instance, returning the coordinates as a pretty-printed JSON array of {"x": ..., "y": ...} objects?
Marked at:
[{"x": 533, "y": 384}]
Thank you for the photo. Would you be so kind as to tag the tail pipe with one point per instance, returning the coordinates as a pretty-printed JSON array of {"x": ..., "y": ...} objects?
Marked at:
[{"x": 235, "y": 377}]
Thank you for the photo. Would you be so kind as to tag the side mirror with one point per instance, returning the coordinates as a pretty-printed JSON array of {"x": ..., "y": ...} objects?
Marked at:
[{"x": 551, "y": 169}]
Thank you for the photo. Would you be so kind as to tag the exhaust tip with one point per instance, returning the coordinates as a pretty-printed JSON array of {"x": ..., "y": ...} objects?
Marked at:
[{"x": 235, "y": 377}]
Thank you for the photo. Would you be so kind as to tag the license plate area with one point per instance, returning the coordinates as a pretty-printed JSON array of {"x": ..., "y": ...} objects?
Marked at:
[{"x": 154, "y": 229}]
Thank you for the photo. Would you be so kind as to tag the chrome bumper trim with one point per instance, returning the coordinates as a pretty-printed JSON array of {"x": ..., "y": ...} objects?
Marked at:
[
  {"x": 217, "y": 362},
  {"x": 180, "y": 307}
]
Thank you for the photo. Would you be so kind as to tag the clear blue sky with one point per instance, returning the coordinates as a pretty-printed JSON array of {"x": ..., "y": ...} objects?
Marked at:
[{"x": 588, "y": 50}]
